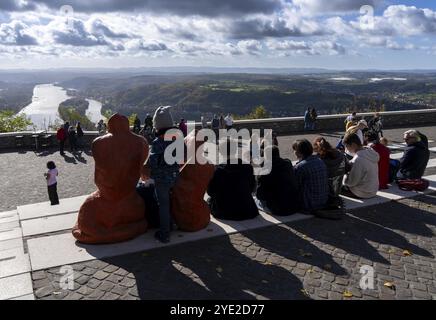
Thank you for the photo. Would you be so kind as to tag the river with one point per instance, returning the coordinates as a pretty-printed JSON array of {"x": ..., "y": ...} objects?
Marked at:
[{"x": 43, "y": 111}]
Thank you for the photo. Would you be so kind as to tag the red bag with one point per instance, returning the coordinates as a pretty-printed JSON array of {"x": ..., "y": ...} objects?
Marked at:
[{"x": 413, "y": 184}]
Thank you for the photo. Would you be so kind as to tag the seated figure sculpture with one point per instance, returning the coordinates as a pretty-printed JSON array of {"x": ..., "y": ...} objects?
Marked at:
[
  {"x": 189, "y": 210},
  {"x": 115, "y": 212}
]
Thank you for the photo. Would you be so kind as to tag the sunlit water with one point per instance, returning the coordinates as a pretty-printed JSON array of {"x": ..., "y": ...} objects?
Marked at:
[{"x": 43, "y": 111}]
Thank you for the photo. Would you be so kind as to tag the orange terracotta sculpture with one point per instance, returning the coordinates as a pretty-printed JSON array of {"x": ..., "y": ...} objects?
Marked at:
[
  {"x": 115, "y": 212},
  {"x": 189, "y": 210}
]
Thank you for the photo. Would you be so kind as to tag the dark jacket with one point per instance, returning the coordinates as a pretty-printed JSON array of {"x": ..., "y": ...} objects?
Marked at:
[
  {"x": 335, "y": 164},
  {"x": 230, "y": 192},
  {"x": 279, "y": 189},
  {"x": 414, "y": 161},
  {"x": 160, "y": 170}
]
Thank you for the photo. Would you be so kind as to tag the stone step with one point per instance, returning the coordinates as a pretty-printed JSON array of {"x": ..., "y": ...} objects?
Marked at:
[
  {"x": 14, "y": 265},
  {"x": 16, "y": 286},
  {"x": 10, "y": 234},
  {"x": 44, "y": 209},
  {"x": 45, "y": 251},
  {"x": 6, "y": 245}
]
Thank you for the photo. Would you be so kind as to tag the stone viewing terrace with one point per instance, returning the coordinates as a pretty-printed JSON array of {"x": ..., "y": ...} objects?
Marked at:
[{"x": 295, "y": 257}]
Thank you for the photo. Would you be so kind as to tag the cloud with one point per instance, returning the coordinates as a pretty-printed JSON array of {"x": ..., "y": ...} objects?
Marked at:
[
  {"x": 311, "y": 48},
  {"x": 15, "y": 33},
  {"x": 99, "y": 27},
  {"x": 268, "y": 28},
  {"x": 77, "y": 35},
  {"x": 177, "y": 7}
]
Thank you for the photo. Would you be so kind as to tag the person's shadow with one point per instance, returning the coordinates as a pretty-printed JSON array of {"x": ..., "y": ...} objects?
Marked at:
[
  {"x": 69, "y": 159},
  {"x": 207, "y": 269},
  {"x": 284, "y": 242},
  {"x": 353, "y": 235}
]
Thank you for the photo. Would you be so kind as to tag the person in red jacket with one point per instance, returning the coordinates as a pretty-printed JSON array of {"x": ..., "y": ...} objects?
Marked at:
[
  {"x": 61, "y": 135},
  {"x": 373, "y": 141}
]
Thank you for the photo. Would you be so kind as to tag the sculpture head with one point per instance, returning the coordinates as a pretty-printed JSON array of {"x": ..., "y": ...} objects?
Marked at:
[{"x": 118, "y": 124}]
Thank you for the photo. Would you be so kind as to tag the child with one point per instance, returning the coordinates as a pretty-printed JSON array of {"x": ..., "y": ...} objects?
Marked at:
[
  {"x": 52, "y": 183},
  {"x": 164, "y": 174}
]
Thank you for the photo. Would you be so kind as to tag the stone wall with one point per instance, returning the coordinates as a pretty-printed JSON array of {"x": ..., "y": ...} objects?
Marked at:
[{"x": 283, "y": 126}]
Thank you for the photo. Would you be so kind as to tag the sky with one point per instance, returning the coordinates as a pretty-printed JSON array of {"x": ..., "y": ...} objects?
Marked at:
[{"x": 333, "y": 34}]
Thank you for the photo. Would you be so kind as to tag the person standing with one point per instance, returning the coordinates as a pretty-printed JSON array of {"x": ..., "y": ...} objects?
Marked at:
[
  {"x": 222, "y": 122},
  {"x": 313, "y": 117},
  {"x": 72, "y": 139},
  {"x": 215, "y": 126},
  {"x": 376, "y": 125},
  {"x": 164, "y": 175},
  {"x": 307, "y": 120},
  {"x": 203, "y": 122},
  {"x": 229, "y": 121},
  {"x": 51, "y": 177},
  {"x": 350, "y": 119},
  {"x": 80, "y": 135},
  {"x": 61, "y": 136},
  {"x": 136, "y": 125},
  {"x": 183, "y": 127}
]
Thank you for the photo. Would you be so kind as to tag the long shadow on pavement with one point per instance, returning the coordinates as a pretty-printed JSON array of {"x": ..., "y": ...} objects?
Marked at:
[{"x": 209, "y": 269}]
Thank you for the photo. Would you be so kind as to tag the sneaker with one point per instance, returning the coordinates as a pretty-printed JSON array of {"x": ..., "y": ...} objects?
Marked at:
[{"x": 164, "y": 239}]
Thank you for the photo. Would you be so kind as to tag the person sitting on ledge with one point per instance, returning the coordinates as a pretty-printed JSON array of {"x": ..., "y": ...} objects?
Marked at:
[
  {"x": 335, "y": 162},
  {"x": 231, "y": 188},
  {"x": 416, "y": 155},
  {"x": 312, "y": 178},
  {"x": 276, "y": 191},
  {"x": 164, "y": 175},
  {"x": 372, "y": 139},
  {"x": 361, "y": 181}
]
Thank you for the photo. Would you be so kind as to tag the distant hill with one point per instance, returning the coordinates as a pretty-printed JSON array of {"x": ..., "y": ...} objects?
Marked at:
[{"x": 193, "y": 95}]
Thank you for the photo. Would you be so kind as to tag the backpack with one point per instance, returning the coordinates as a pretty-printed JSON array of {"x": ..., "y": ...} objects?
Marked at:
[
  {"x": 215, "y": 123},
  {"x": 413, "y": 184}
]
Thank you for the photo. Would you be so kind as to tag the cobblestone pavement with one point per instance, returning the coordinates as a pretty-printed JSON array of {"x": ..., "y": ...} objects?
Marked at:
[
  {"x": 310, "y": 259},
  {"x": 22, "y": 180}
]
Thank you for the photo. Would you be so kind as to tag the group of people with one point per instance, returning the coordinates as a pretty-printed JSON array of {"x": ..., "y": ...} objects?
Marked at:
[
  {"x": 71, "y": 134},
  {"x": 358, "y": 168}
]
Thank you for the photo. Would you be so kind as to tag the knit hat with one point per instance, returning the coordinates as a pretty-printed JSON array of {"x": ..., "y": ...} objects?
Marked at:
[{"x": 162, "y": 118}]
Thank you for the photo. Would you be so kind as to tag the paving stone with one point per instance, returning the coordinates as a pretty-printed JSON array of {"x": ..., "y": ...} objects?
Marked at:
[
  {"x": 101, "y": 275},
  {"x": 106, "y": 286}
]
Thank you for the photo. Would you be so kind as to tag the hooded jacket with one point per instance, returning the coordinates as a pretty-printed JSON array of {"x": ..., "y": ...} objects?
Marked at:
[
  {"x": 279, "y": 189},
  {"x": 414, "y": 161},
  {"x": 363, "y": 176},
  {"x": 230, "y": 192}
]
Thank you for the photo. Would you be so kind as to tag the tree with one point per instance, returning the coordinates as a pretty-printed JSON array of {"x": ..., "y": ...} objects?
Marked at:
[
  {"x": 71, "y": 115},
  {"x": 132, "y": 118},
  {"x": 259, "y": 112},
  {"x": 9, "y": 122}
]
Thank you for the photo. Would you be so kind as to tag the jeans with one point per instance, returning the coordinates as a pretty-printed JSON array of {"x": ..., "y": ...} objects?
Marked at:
[
  {"x": 307, "y": 126},
  {"x": 163, "y": 188},
  {"x": 53, "y": 194},
  {"x": 61, "y": 146}
]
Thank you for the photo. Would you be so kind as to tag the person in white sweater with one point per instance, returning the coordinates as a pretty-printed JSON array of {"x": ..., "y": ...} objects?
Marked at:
[{"x": 362, "y": 179}]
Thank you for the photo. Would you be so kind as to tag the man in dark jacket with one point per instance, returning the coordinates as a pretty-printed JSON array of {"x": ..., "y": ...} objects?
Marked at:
[
  {"x": 415, "y": 158},
  {"x": 231, "y": 189},
  {"x": 278, "y": 190}
]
